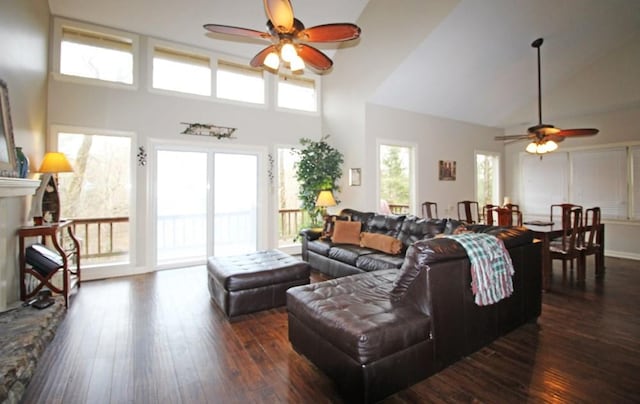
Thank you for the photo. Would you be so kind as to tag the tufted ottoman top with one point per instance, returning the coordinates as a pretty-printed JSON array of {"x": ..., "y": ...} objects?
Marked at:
[
  {"x": 256, "y": 269},
  {"x": 355, "y": 314}
]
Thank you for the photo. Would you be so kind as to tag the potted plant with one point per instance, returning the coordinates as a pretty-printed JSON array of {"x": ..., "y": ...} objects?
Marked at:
[{"x": 319, "y": 168}]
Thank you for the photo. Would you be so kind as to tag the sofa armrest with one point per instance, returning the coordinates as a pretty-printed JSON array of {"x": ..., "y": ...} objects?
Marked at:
[{"x": 311, "y": 234}]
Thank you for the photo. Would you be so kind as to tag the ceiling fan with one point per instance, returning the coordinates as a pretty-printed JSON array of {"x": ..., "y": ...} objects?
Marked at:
[
  {"x": 544, "y": 137},
  {"x": 289, "y": 37}
]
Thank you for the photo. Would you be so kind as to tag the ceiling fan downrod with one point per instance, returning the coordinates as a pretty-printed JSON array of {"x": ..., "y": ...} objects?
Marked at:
[{"x": 537, "y": 44}]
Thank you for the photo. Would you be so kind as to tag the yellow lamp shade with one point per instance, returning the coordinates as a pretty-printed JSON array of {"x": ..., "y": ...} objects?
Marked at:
[
  {"x": 325, "y": 198},
  {"x": 55, "y": 162}
]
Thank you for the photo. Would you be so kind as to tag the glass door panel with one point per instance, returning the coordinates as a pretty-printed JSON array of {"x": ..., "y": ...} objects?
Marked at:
[
  {"x": 235, "y": 203},
  {"x": 181, "y": 210}
]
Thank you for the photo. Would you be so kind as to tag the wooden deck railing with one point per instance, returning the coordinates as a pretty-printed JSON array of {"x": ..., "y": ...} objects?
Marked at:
[
  {"x": 102, "y": 237},
  {"x": 289, "y": 223},
  {"x": 107, "y": 238},
  {"x": 398, "y": 209}
]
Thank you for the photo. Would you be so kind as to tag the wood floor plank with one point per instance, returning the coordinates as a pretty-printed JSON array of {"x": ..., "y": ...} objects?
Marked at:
[{"x": 157, "y": 338}]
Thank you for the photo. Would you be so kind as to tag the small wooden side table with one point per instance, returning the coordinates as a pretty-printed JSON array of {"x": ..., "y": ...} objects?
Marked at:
[{"x": 70, "y": 276}]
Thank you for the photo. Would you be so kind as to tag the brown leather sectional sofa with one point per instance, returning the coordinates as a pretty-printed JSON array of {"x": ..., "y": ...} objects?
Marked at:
[{"x": 380, "y": 331}]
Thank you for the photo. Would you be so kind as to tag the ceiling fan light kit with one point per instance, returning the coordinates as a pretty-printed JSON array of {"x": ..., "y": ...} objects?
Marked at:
[
  {"x": 545, "y": 138},
  {"x": 289, "y": 36}
]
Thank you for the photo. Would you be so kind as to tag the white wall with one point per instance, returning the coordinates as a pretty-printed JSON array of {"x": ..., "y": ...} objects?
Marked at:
[
  {"x": 24, "y": 31},
  {"x": 436, "y": 139},
  {"x": 388, "y": 38},
  {"x": 153, "y": 115}
]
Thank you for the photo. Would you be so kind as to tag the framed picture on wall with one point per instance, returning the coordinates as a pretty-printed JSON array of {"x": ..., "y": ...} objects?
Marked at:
[
  {"x": 446, "y": 170},
  {"x": 355, "y": 177},
  {"x": 7, "y": 147}
]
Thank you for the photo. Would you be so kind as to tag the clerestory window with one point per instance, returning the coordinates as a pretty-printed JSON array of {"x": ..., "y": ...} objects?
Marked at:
[{"x": 96, "y": 55}]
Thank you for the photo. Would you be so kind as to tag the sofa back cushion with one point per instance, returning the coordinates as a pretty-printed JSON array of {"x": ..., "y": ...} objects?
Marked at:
[
  {"x": 385, "y": 224},
  {"x": 357, "y": 216},
  {"x": 415, "y": 228}
]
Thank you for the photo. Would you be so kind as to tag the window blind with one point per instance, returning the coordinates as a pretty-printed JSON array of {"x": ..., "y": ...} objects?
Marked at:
[
  {"x": 599, "y": 178},
  {"x": 174, "y": 55},
  {"x": 228, "y": 67},
  {"x": 544, "y": 182},
  {"x": 97, "y": 39}
]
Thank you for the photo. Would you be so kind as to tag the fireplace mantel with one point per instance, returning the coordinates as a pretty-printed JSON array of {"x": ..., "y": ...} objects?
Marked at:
[{"x": 10, "y": 187}]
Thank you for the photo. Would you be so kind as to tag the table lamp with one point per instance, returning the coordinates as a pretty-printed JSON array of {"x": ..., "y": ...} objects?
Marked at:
[
  {"x": 46, "y": 202},
  {"x": 324, "y": 200}
]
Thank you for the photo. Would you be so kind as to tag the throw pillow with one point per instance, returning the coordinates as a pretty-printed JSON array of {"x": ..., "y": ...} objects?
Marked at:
[
  {"x": 329, "y": 223},
  {"x": 346, "y": 232},
  {"x": 381, "y": 242}
]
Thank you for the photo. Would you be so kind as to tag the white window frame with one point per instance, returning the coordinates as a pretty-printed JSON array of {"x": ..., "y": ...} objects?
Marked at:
[
  {"x": 413, "y": 174},
  {"x": 111, "y": 270},
  {"x": 60, "y": 23},
  {"x": 154, "y": 43},
  {"x": 497, "y": 185}
]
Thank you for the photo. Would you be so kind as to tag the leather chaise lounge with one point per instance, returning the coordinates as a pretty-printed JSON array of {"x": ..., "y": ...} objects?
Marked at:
[{"x": 377, "y": 332}]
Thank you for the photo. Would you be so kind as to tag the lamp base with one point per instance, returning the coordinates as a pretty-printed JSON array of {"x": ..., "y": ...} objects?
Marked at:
[{"x": 51, "y": 202}]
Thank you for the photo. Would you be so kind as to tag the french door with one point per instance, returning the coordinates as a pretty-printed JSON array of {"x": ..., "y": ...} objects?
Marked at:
[{"x": 206, "y": 204}]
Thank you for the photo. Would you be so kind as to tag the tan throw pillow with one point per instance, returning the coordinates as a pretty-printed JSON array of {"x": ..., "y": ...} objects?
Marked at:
[
  {"x": 346, "y": 232},
  {"x": 381, "y": 242}
]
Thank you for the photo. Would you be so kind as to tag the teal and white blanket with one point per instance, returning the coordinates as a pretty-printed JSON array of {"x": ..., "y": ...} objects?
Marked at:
[{"x": 491, "y": 267}]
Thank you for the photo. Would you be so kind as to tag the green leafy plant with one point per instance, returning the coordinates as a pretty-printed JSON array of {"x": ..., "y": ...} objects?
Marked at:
[{"x": 319, "y": 168}]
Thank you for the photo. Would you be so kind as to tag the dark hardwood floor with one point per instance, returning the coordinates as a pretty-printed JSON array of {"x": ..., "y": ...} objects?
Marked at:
[{"x": 157, "y": 338}]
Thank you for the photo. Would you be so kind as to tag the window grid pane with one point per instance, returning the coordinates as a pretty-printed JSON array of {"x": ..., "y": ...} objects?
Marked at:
[
  {"x": 96, "y": 55},
  {"x": 296, "y": 93},
  {"x": 181, "y": 71},
  {"x": 239, "y": 83}
]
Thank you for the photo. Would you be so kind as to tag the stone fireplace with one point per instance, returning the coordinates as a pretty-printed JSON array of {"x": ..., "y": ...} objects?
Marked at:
[{"x": 15, "y": 200}]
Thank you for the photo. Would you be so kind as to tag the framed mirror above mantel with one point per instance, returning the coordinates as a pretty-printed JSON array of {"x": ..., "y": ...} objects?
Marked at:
[{"x": 7, "y": 147}]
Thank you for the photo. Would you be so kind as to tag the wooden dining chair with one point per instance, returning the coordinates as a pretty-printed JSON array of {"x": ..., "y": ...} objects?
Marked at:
[
  {"x": 486, "y": 215},
  {"x": 590, "y": 245},
  {"x": 471, "y": 211},
  {"x": 567, "y": 247},
  {"x": 562, "y": 210},
  {"x": 430, "y": 210},
  {"x": 503, "y": 216},
  {"x": 512, "y": 206}
]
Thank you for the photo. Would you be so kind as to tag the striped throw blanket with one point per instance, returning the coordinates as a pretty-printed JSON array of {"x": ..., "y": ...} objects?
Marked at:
[{"x": 491, "y": 267}]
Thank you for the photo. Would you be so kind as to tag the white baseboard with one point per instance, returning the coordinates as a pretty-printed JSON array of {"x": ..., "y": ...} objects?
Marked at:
[{"x": 622, "y": 254}]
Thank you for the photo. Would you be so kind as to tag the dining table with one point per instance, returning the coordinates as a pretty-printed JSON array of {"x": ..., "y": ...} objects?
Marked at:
[{"x": 547, "y": 231}]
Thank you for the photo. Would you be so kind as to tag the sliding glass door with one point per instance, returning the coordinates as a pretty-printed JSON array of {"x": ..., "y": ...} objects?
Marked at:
[{"x": 206, "y": 204}]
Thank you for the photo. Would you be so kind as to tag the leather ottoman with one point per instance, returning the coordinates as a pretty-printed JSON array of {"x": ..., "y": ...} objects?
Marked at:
[{"x": 252, "y": 282}]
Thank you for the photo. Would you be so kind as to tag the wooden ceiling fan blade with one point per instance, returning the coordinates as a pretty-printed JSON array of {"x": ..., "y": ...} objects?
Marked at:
[
  {"x": 512, "y": 137},
  {"x": 578, "y": 132},
  {"x": 555, "y": 137},
  {"x": 258, "y": 59},
  {"x": 314, "y": 58},
  {"x": 280, "y": 12},
  {"x": 337, "y": 32},
  {"x": 236, "y": 31}
]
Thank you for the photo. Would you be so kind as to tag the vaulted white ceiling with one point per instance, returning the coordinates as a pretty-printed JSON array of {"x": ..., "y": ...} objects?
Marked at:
[{"x": 476, "y": 66}]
